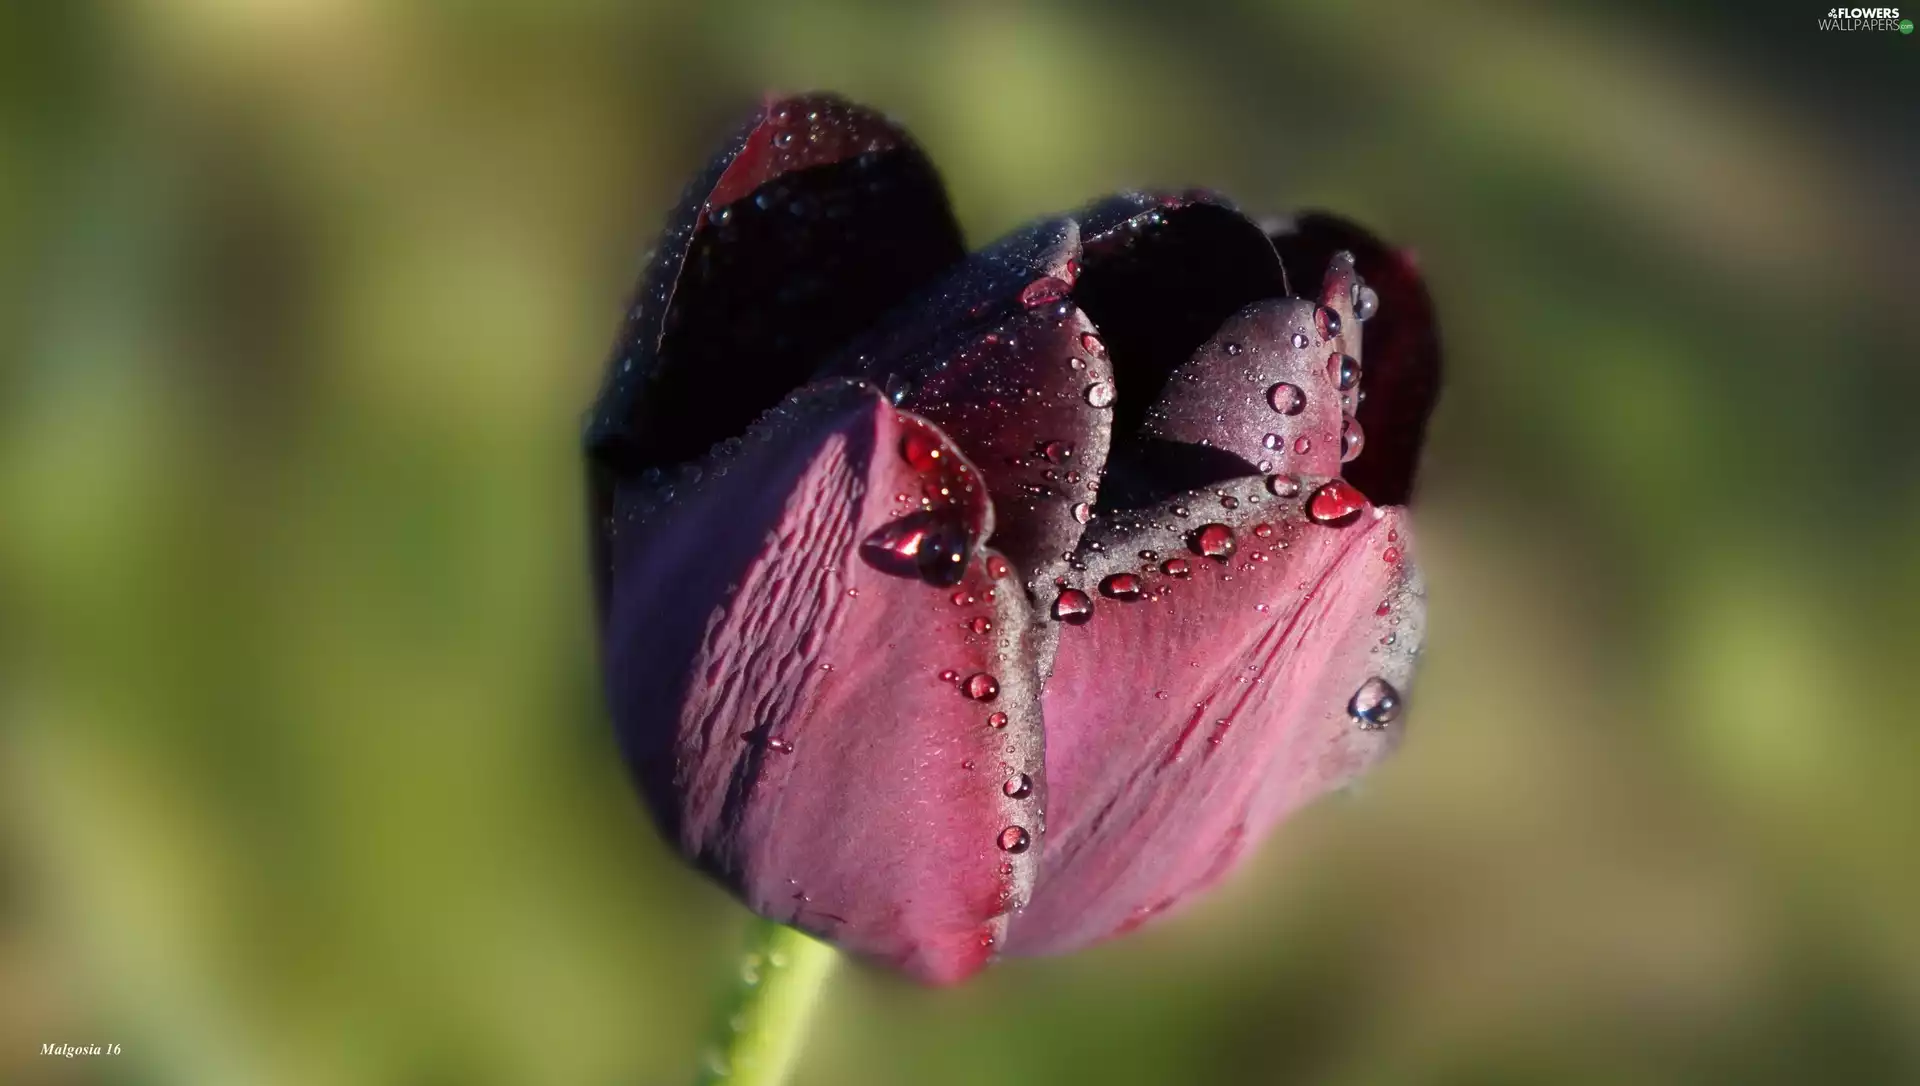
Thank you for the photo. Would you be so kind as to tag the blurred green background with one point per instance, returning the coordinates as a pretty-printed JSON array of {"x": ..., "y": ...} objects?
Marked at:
[{"x": 304, "y": 777}]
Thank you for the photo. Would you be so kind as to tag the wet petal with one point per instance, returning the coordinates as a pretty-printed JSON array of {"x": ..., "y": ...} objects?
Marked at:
[
  {"x": 817, "y": 217},
  {"x": 1212, "y": 693},
  {"x": 1260, "y": 390},
  {"x": 820, "y": 711},
  {"x": 1402, "y": 359},
  {"x": 1000, "y": 358}
]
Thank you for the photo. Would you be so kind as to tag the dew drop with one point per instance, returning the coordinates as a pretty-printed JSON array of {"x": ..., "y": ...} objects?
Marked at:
[
  {"x": 1056, "y": 451},
  {"x": 1073, "y": 607},
  {"x": 1018, "y": 786},
  {"x": 1263, "y": 530},
  {"x": 1299, "y": 341},
  {"x": 1302, "y": 443},
  {"x": 1100, "y": 394},
  {"x": 997, "y": 567},
  {"x": 949, "y": 676},
  {"x": 1391, "y": 556},
  {"x": 924, "y": 545},
  {"x": 1213, "y": 541},
  {"x": 1365, "y": 301},
  {"x": 1287, "y": 398},
  {"x": 1328, "y": 322},
  {"x": 997, "y": 721},
  {"x": 1083, "y": 512},
  {"x": 1121, "y": 586},
  {"x": 1015, "y": 839},
  {"x": 1336, "y": 502},
  {"x": 779, "y": 745},
  {"x": 1343, "y": 370},
  {"x": 1271, "y": 441},
  {"x": 1043, "y": 291},
  {"x": 1176, "y": 567},
  {"x": 1283, "y": 486},
  {"x": 1352, "y": 438},
  {"x": 921, "y": 450},
  {"x": 1091, "y": 344},
  {"x": 980, "y": 624},
  {"x": 1375, "y": 705},
  {"x": 981, "y": 686}
]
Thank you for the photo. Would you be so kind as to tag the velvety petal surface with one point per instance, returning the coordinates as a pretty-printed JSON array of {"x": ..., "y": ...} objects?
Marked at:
[
  {"x": 1002, "y": 360},
  {"x": 1258, "y": 396},
  {"x": 1243, "y": 654},
  {"x": 1402, "y": 341},
  {"x": 823, "y": 682},
  {"x": 816, "y": 218}
]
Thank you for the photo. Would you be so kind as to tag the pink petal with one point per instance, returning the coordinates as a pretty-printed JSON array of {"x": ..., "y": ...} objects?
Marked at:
[
  {"x": 831, "y": 739},
  {"x": 1209, "y": 696},
  {"x": 1402, "y": 347},
  {"x": 1000, "y": 358}
]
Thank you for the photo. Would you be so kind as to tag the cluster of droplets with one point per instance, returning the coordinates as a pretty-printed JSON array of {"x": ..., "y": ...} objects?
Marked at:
[{"x": 936, "y": 534}]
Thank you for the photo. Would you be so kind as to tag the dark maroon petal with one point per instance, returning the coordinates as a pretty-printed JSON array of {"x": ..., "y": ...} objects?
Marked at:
[
  {"x": 814, "y": 718},
  {"x": 1402, "y": 347},
  {"x": 817, "y": 217},
  {"x": 1261, "y": 390},
  {"x": 998, "y": 356},
  {"x": 1159, "y": 274},
  {"x": 1214, "y": 696}
]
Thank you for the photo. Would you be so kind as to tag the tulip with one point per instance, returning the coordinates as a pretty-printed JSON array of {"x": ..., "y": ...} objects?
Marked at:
[{"x": 955, "y": 605}]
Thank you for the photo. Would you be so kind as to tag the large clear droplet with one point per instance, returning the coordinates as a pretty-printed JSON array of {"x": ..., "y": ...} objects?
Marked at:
[{"x": 1375, "y": 705}]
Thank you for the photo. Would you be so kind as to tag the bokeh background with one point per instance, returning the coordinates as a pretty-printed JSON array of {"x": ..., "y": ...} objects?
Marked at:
[{"x": 303, "y": 774}]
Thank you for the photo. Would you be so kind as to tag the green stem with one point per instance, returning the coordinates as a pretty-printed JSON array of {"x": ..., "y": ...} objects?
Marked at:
[{"x": 765, "y": 1019}]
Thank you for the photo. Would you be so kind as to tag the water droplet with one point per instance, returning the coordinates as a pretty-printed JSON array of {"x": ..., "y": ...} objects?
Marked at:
[
  {"x": 1091, "y": 344},
  {"x": 783, "y": 139},
  {"x": 1176, "y": 567},
  {"x": 1283, "y": 486},
  {"x": 1365, "y": 301},
  {"x": 1015, "y": 839},
  {"x": 1263, "y": 530},
  {"x": 997, "y": 567},
  {"x": 1100, "y": 394},
  {"x": 980, "y": 624},
  {"x": 949, "y": 676},
  {"x": 898, "y": 388},
  {"x": 1391, "y": 556},
  {"x": 981, "y": 686},
  {"x": 1056, "y": 451},
  {"x": 1287, "y": 398},
  {"x": 1299, "y": 341},
  {"x": 1302, "y": 443},
  {"x": 722, "y": 217},
  {"x": 1343, "y": 370},
  {"x": 1375, "y": 705},
  {"x": 1121, "y": 586},
  {"x": 1043, "y": 291},
  {"x": 1328, "y": 322},
  {"x": 1018, "y": 786},
  {"x": 1213, "y": 541},
  {"x": 997, "y": 721},
  {"x": 1083, "y": 512},
  {"x": 925, "y": 545},
  {"x": 1336, "y": 502},
  {"x": 779, "y": 744},
  {"x": 1352, "y": 438},
  {"x": 1073, "y": 607},
  {"x": 961, "y": 598},
  {"x": 1271, "y": 441},
  {"x": 921, "y": 450},
  {"x": 1161, "y": 695},
  {"x": 1228, "y": 501}
]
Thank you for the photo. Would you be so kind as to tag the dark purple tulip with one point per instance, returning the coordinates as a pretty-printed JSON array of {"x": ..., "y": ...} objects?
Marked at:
[{"x": 961, "y": 604}]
